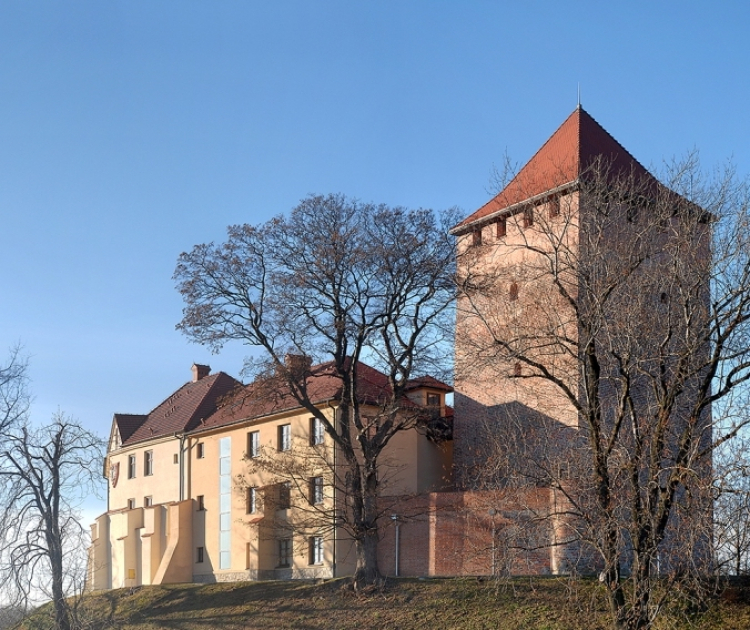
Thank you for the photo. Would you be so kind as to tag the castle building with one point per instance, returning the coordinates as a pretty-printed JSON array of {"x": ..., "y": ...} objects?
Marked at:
[
  {"x": 581, "y": 329},
  {"x": 186, "y": 503}
]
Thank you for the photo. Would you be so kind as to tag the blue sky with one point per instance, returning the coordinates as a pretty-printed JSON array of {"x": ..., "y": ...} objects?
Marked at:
[{"x": 130, "y": 131}]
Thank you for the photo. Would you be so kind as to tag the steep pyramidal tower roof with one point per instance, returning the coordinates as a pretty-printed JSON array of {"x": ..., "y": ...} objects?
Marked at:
[{"x": 576, "y": 144}]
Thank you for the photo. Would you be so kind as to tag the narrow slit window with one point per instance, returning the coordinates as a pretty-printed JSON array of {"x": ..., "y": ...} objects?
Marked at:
[
  {"x": 513, "y": 292},
  {"x": 554, "y": 207}
]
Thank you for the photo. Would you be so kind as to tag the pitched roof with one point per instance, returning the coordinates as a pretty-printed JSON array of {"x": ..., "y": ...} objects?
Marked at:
[
  {"x": 572, "y": 149},
  {"x": 428, "y": 381},
  {"x": 182, "y": 411},
  {"x": 127, "y": 423},
  {"x": 268, "y": 396}
]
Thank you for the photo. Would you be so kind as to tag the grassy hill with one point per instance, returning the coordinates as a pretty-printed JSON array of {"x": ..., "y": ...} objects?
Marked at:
[{"x": 404, "y": 604}]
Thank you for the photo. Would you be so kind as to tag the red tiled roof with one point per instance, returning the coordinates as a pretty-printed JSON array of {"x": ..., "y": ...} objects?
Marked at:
[
  {"x": 182, "y": 411},
  {"x": 428, "y": 381},
  {"x": 265, "y": 397},
  {"x": 127, "y": 423},
  {"x": 573, "y": 148}
]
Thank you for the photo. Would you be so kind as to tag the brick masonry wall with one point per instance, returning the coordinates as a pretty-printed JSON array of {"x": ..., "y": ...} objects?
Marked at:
[{"x": 451, "y": 534}]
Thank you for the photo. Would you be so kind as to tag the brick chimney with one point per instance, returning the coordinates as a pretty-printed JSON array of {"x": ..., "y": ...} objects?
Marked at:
[{"x": 200, "y": 371}]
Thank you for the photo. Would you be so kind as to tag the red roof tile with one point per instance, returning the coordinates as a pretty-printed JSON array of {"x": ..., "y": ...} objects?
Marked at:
[
  {"x": 183, "y": 410},
  {"x": 265, "y": 397},
  {"x": 428, "y": 381},
  {"x": 573, "y": 148},
  {"x": 127, "y": 423}
]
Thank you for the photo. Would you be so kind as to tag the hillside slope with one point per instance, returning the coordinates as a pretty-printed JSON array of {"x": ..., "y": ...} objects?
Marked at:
[{"x": 444, "y": 604}]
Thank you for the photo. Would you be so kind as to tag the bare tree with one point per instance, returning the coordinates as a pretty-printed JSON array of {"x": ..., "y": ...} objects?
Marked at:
[
  {"x": 14, "y": 397},
  {"x": 616, "y": 311},
  {"x": 45, "y": 474},
  {"x": 336, "y": 281},
  {"x": 732, "y": 508}
]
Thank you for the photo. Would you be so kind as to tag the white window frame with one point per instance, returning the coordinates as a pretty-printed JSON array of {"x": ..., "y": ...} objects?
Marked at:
[
  {"x": 317, "y": 432},
  {"x": 285, "y": 437},
  {"x": 316, "y": 550},
  {"x": 253, "y": 444}
]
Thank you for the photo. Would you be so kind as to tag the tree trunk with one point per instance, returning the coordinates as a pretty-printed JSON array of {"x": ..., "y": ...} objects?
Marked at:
[{"x": 367, "y": 572}]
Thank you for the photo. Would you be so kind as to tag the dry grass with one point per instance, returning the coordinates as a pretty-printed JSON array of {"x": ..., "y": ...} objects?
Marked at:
[{"x": 469, "y": 604}]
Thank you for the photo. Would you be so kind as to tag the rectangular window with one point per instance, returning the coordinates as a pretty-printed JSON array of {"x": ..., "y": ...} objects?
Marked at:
[
  {"x": 554, "y": 207},
  {"x": 148, "y": 501},
  {"x": 476, "y": 237},
  {"x": 131, "y": 466},
  {"x": 502, "y": 228},
  {"x": 200, "y": 450},
  {"x": 199, "y": 555},
  {"x": 176, "y": 458},
  {"x": 285, "y": 437},
  {"x": 316, "y": 490},
  {"x": 528, "y": 218},
  {"x": 201, "y": 503},
  {"x": 131, "y": 504},
  {"x": 284, "y": 495},
  {"x": 316, "y": 549},
  {"x": 253, "y": 444},
  {"x": 285, "y": 552},
  {"x": 251, "y": 500},
  {"x": 317, "y": 432},
  {"x": 433, "y": 400},
  {"x": 148, "y": 463}
]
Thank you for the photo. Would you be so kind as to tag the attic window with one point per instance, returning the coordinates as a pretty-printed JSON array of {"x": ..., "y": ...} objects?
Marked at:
[
  {"x": 476, "y": 237},
  {"x": 501, "y": 227}
]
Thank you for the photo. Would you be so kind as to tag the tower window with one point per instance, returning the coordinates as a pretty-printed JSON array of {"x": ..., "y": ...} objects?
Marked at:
[
  {"x": 513, "y": 292},
  {"x": 501, "y": 227},
  {"x": 554, "y": 207}
]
